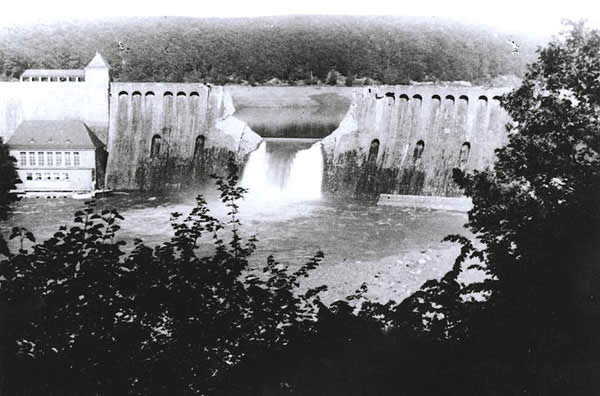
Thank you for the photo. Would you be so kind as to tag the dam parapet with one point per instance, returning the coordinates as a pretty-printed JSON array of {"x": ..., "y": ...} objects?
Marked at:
[
  {"x": 408, "y": 139},
  {"x": 172, "y": 135}
]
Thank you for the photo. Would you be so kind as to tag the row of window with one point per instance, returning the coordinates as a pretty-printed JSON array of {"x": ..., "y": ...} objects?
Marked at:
[
  {"x": 52, "y": 79},
  {"x": 463, "y": 155},
  {"x": 47, "y": 176},
  {"x": 434, "y": 97},
  {"x": 157, "y": 142},
  {"x": 150, "y": 93},
  {"x": 48, "y": 158}
]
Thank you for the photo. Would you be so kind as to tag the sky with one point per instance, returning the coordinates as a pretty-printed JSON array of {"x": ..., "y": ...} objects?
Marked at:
[{"x": 532, "y": 17}]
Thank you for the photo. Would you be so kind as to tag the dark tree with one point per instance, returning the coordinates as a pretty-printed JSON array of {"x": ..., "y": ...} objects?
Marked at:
[
  {"x": 538, "y": 217},
  {"x": 349, "y": 80},
  {"x": 331, "y": 77},
  {"x": 388, "y": 49},
  {"x": 176, "y": 319},
  {"x": 8, "y": 180}
]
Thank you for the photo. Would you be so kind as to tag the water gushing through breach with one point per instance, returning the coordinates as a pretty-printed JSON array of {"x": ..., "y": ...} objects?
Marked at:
[
  {"x": 306, "y": 174},
  {"x": 280, "y": 170}
]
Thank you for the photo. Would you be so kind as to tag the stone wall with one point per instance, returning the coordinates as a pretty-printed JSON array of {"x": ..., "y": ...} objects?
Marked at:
[
  {"x": 407, "y": 139},
  {"x": 194, "y": 124}
]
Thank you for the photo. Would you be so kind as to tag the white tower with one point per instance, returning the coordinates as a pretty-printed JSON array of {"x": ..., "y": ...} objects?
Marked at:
[{"x": 97, "y": 81}]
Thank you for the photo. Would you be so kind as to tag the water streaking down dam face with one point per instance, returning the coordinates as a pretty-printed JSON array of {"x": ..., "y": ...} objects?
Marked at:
[{"x": 284, "y": 170}]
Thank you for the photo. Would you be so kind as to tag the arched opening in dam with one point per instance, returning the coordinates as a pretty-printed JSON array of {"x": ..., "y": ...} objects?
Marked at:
[
  {"x": 463, "y": 157},
  {"x": 155, "y": 146},
  {"x": 198, "y": 148},
  {"x": 373, "y": 151},
  {"x": 418, "y": 151}
]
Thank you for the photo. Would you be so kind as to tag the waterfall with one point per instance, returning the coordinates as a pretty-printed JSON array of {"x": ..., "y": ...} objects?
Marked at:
[
  {"x": 277, "y": 171},
  {"x": 254, "y": 177},
  {"x": 306, "y": 174}
]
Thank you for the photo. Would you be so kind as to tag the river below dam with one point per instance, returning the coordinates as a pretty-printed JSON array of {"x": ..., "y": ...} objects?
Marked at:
[
  {"x": 393, "y": 249},
  {"x": 396, "y": 248}
]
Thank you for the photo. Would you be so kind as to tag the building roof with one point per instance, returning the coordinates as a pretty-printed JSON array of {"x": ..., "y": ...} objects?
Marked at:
[
  {"x": 53, "y": 135},
  {"x": 98, "y": 62},
  {"x": 54, "y": 73}
]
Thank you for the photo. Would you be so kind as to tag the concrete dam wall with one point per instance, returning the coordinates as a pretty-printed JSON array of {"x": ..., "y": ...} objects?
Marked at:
[
  {"x": 407, "y": 140},
  {"x": 169, "y": 135}
]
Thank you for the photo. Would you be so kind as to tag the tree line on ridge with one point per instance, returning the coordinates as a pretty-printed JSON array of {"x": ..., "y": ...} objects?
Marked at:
[{"x": 292, "y": 49}]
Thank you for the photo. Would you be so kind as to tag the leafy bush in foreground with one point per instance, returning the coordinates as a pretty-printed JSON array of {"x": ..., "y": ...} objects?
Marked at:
[
  {"x": 537, "y": 217},
  {"x": 167, "y": 320},
  {"x": 170, "y": 320}
]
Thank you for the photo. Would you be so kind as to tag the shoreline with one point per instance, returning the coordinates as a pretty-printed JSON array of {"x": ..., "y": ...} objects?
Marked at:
[{"x": 393, "y": 277}]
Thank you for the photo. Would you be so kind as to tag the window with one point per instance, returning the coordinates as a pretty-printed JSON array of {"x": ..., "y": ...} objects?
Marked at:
[
  {"x": 199, "y": 147},
  {"x": 56, "y": 176},
  {"x": 463, "y": 156},
  {"x": 58, "y": 157},
  {"x": 49, "y": 159},
  {"x": 373, "y": 151},
  {"x": 76, "y": 159},
  {"x": 155, "y": 148},
  {"x": 32, "y": 159},
  {"x": 38, "y": 176},
  {"x": 48, "y": 176},
  {"x": 40, "y": 159},
  {"x": 65, "y": 176},
  {"x": 418, "y": 151},
  {"x": 29, "y": 176},
  {"x": 23, "y": 158},
  {"x": 67, "y": 159}
]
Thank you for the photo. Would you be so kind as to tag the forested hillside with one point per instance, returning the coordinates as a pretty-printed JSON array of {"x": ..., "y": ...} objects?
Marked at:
[{"x": 390, "y": 50}]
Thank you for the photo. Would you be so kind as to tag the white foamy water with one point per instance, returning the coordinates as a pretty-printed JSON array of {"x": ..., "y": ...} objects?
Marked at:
[
  {"x": 306, "y": 175},
  {"x": 279, "y": 176}
]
